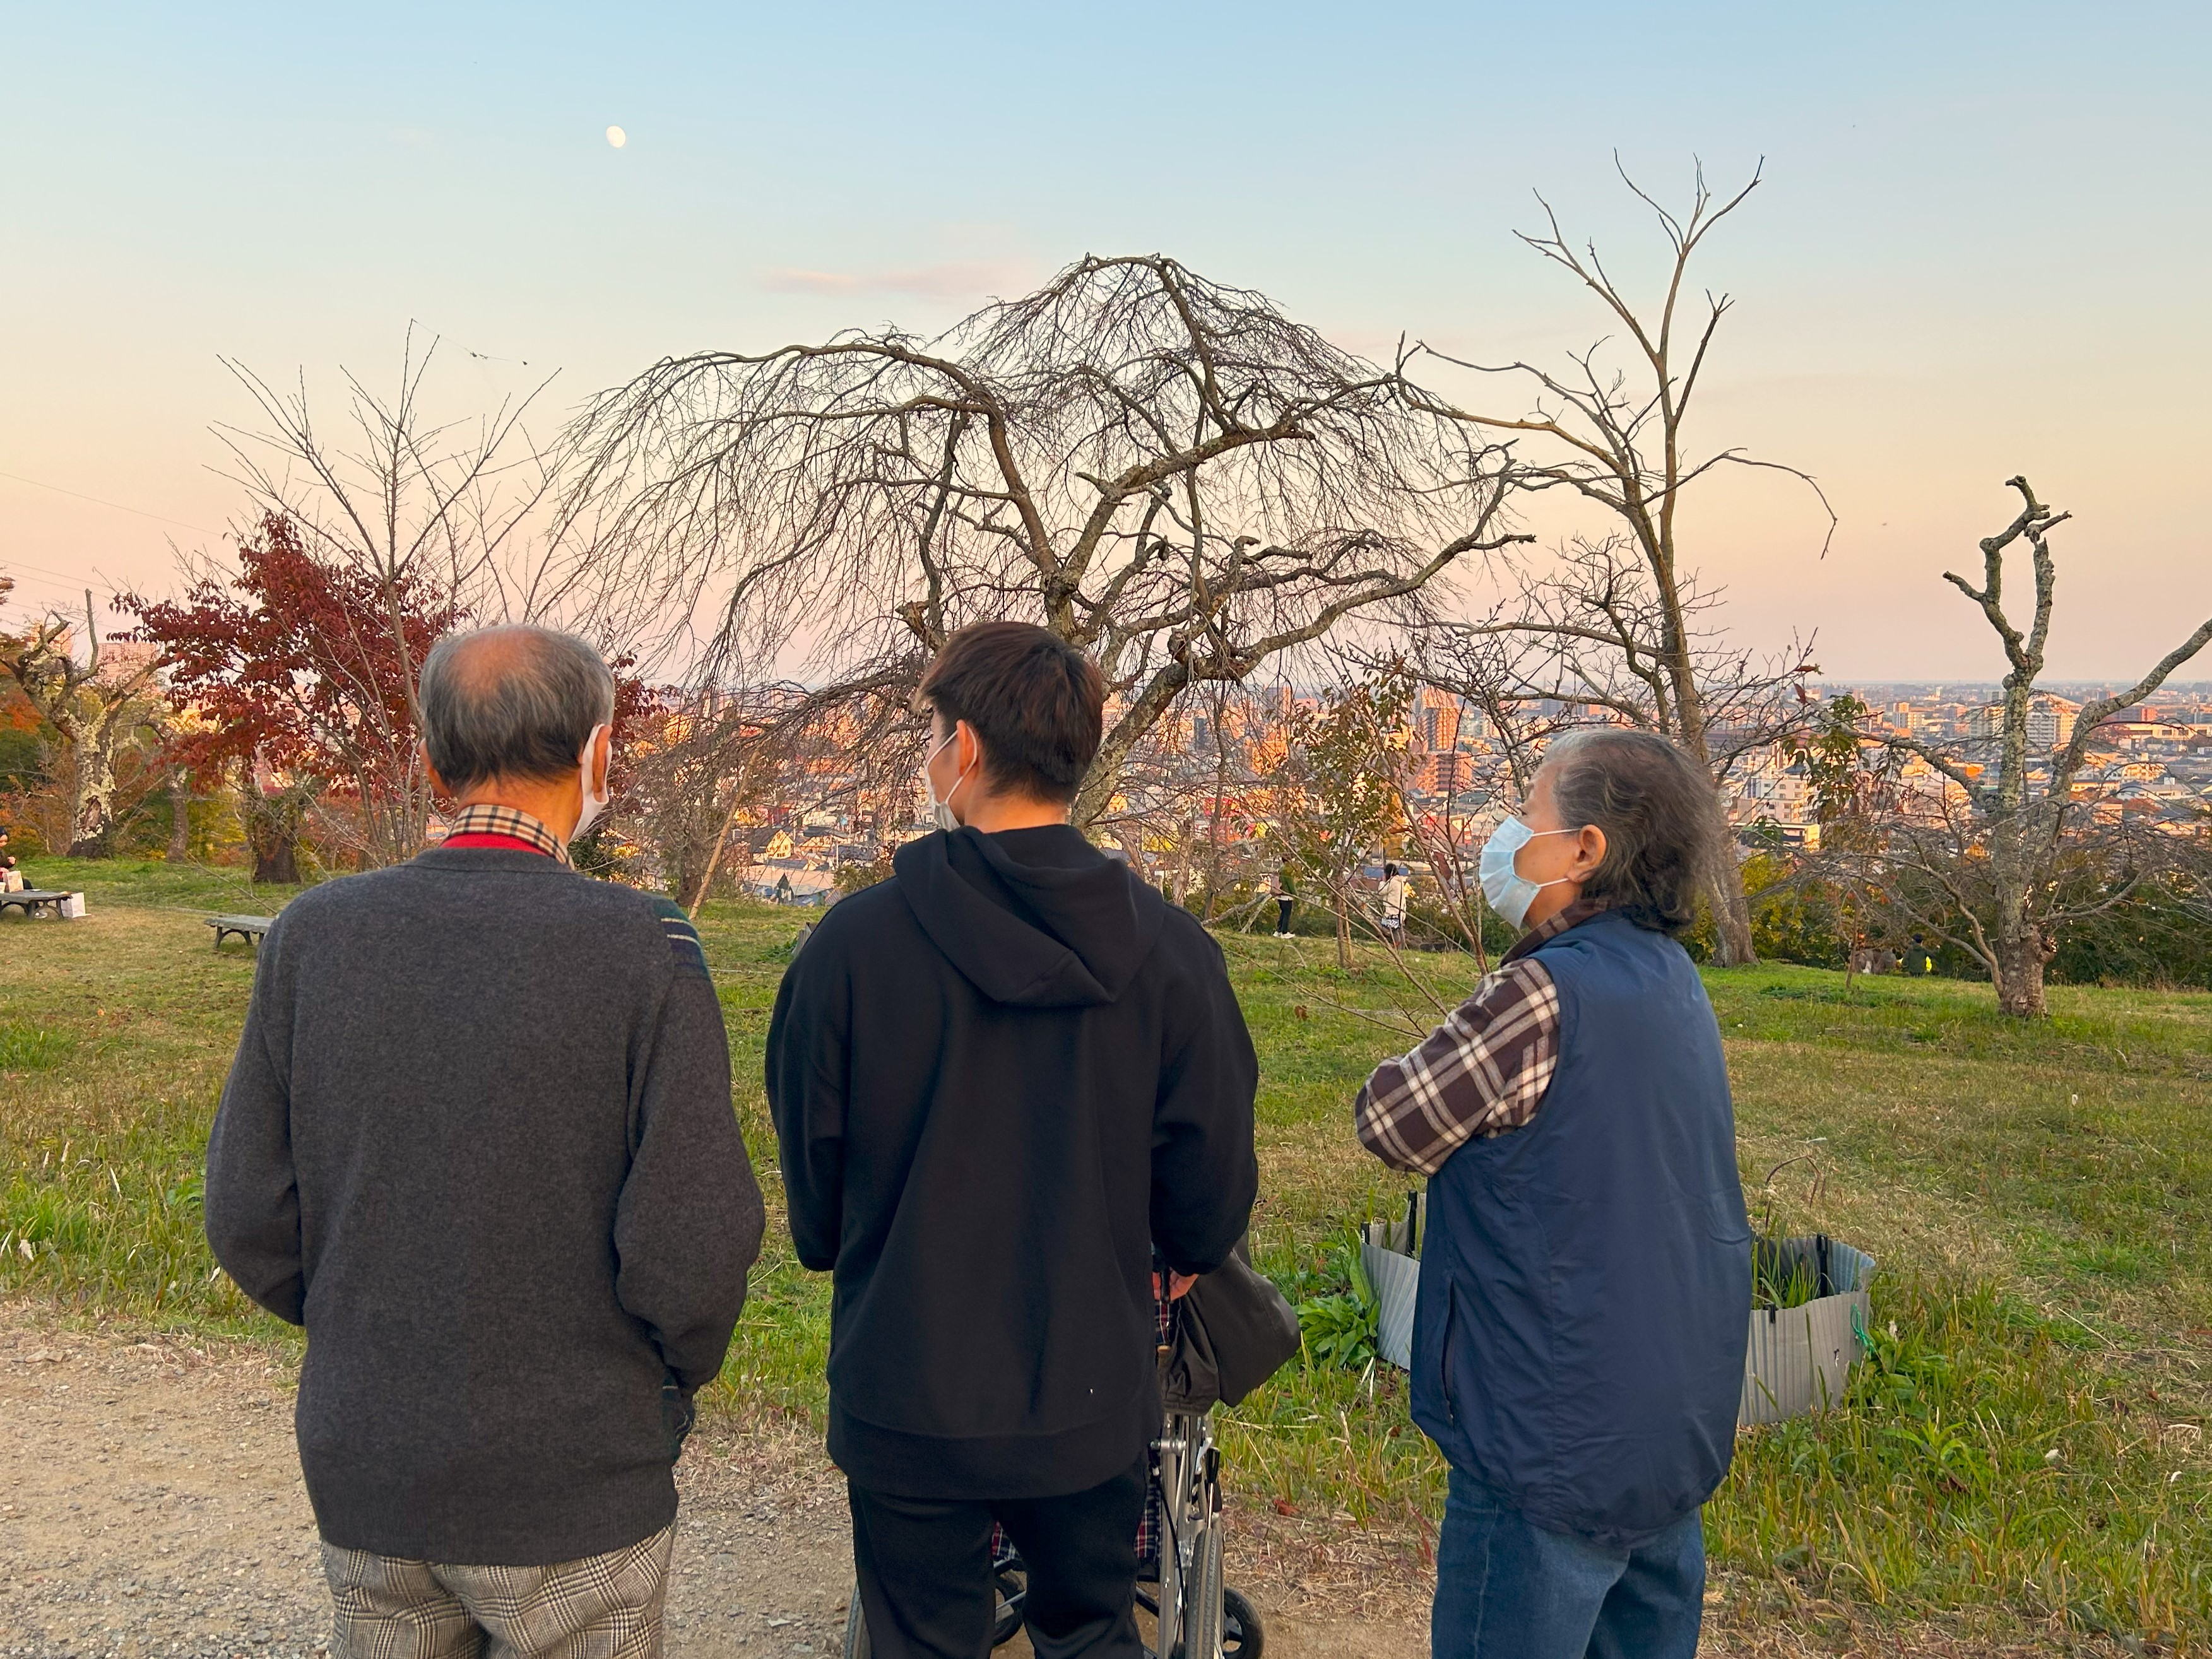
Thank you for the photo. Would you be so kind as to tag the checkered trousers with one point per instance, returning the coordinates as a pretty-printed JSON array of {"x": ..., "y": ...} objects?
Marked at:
[{"x": 603, "y": 1606}]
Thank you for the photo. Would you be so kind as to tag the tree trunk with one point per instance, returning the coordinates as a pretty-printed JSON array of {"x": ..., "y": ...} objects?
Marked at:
[
  {"x": 2019, "y": 974},
  {"x": 1732, "y": 919},
  {"x": 272, "y": 830},
  {"x": 92, "y": 779},
  {"x": 277, "y": 864},
  {"x": 2023, "y": 952},
  {"x": 180, "y": 817},
  {"x": 1344, "y": 924}
]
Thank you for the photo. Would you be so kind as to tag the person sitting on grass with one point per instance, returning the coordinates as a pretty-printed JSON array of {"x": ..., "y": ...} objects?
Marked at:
[{"x": 1585, "y": 1286}]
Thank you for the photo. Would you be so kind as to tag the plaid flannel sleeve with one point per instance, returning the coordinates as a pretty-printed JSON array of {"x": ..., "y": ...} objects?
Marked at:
[{"x": 1483, "y": 1072}]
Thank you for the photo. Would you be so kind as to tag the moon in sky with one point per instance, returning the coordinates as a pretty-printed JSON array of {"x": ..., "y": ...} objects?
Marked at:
[{"x": 617, "y": 138}]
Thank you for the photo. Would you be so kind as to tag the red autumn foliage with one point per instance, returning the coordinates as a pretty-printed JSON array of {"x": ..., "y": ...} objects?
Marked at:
[{"x": 294, "y": 664}]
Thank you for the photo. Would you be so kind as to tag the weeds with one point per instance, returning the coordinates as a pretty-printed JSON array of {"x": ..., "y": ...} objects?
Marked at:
[
  {"x": 1975, "y": 1459},
  {"x": 1339, "y": 1329},
  {"x": 33, "y": 1048}
]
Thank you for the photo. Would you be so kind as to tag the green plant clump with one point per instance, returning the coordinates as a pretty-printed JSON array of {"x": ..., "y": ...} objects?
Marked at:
[
  {"x": 1340, "y": 1329},
  {"x": 33, "y": 1048}
]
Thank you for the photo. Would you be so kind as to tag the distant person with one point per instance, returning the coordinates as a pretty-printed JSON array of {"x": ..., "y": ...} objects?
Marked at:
[
  {"x": 478, "y": 1140},
  {"x": 1585, "y": 1288},
  {"x": 1003, "y": 1080},
  {"x": 11, "y": 878},
  {"x": 1394, "y": 884},
  {"x": 1286, "y": 900}
]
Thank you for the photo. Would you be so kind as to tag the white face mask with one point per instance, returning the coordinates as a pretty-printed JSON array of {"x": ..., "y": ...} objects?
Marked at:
[
  {"x": 1509, "y": 892},
  {"x": 595, "y": 802},
  {"x": 940, "y": 811}
]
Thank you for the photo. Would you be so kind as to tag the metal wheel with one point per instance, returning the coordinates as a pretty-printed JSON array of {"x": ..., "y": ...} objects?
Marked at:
[
  {"x": 1242, "y": 1637},
  {"x": 1011, "y": 1583},
  {"x": 1201, "y": 1601}
]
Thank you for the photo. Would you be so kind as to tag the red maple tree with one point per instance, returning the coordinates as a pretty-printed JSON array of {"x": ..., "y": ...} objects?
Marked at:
[{"x": 303, "y": 674}]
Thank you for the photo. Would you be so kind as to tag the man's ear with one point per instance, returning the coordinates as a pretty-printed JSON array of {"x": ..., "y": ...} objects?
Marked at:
[
  {"x": 602, "y": 760},
  {"x": 967, "y": 751},
  {"x": 437, "y": 784}
]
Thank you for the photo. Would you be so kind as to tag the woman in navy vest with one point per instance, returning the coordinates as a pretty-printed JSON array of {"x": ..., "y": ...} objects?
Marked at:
[{"x": 1586, "y": 1278}]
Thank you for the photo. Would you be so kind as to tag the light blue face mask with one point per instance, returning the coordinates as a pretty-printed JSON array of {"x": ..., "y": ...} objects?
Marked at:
[{"x": 1509, "y": 892}]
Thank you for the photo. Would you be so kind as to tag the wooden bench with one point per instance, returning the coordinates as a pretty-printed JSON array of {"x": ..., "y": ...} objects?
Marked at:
[
  {"x": 31, "y": 898},
  {"x": 249, "y": 928}
]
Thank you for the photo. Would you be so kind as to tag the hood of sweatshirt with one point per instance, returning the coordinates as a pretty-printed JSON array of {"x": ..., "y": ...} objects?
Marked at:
[{"x": 1034, "y": 918}]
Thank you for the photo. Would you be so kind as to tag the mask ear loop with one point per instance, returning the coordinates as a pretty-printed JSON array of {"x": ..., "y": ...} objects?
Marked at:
[
  {"x": 945, "y": 799},
  {"x": 956, "y": 783},
  {"x": 601, "y": 796}
]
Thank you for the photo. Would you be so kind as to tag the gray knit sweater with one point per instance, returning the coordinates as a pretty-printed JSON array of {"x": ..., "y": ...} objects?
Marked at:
[{"x": 478, "y": 1140}]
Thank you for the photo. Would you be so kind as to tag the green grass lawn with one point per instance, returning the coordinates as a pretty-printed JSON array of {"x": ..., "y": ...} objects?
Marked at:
[{"x": 2024, "y": 1455}]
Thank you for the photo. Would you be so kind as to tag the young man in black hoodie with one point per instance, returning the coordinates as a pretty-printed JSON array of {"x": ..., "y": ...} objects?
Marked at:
[{"x": 1002, "y": 1080}]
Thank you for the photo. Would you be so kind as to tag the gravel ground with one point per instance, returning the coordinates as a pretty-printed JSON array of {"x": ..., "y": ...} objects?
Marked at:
[{"x": 150, "y": 1504}]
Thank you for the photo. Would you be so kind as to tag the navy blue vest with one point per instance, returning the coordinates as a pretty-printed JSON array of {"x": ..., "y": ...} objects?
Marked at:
[{"x": 1586, "y": 1281}]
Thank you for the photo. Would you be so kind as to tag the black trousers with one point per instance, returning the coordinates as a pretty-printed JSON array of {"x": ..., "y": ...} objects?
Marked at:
[{"x": 923, "y": 1566}]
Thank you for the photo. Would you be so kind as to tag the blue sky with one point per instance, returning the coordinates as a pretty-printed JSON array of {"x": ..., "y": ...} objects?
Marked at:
[{"x": 1979, "y": 249}]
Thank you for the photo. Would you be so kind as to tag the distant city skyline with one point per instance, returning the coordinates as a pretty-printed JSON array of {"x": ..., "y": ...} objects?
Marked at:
[{"x": 1967, "y": 260}]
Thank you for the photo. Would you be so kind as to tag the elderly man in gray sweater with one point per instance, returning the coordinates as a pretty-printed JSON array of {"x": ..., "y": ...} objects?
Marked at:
[{"x": 478, "y": 1140}]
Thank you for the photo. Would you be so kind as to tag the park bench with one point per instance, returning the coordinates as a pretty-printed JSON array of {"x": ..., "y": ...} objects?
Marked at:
[
  {"x": 249, "y": 928},
  {"x": 30, "y": 900}
]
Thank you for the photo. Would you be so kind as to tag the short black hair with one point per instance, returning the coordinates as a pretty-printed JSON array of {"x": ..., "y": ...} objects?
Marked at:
[
  {"x": 512, "y": 702},
  {"x": 1660, "y": 816},
  {"x": 1036, "y": 703}
]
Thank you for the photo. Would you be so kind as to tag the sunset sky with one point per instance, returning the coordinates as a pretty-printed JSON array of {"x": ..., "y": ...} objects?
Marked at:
[{"x": 1979, "y": 249}]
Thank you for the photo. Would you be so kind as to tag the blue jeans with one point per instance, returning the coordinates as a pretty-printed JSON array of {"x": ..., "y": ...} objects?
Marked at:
[{"x": 1509, "y": 1589}]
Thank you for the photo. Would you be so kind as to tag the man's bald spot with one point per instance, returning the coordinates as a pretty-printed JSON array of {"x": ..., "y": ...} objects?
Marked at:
[
  {"x": 488, "y": 655},
  {"x": 513, "y": 700}
]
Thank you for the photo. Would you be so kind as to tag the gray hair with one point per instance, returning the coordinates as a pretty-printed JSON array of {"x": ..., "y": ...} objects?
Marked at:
[
  {"x": 1660, "y": 813},
  {"x": 513, "y": 701}
]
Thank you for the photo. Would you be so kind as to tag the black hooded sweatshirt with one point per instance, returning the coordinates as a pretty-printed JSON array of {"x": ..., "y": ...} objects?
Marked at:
[{"x": 1000, "y": 1080}]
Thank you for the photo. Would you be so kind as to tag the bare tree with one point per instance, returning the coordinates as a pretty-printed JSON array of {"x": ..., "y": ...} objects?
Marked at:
[
  {"x": 1619, "y": 439},
  {"x": 720, "y": 755},
  {"x": 93, "y": 709},
  {"x": 1167, "y": 472},
  {"x": 455, "y": 517},
  {"x": 2001, "y": 845},
  {"x": 1588, "y": 636}
]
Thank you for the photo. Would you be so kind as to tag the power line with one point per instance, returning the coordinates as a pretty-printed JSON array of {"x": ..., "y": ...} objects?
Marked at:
[
  {"x": 159, "y": 518},
  {"x": 8, "y": 562}
]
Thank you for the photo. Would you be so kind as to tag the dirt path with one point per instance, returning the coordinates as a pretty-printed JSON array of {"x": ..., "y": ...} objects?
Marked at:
[{"x": 150, "y": 1503}]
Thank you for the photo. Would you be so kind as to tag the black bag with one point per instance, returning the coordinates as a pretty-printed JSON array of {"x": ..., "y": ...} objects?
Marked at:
[{"x": 1231, "y": 1331}]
